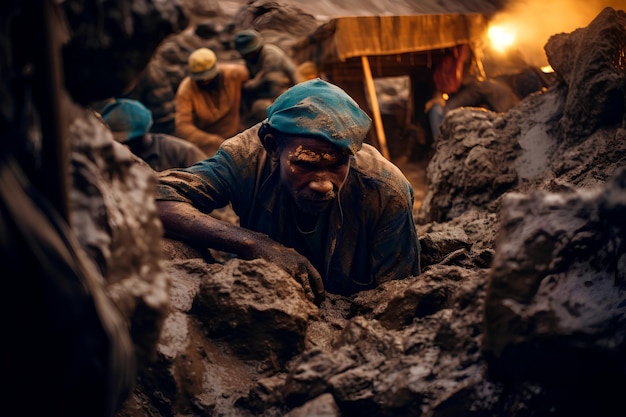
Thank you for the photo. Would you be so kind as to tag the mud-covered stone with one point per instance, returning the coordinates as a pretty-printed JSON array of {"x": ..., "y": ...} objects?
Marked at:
[
  {"x": 112, "y": 43},
  {"x": 556, "y": 294},
  {"x": 590, "y": 61},
  {"x": 322, "y": 406},
  {"x": 260, "y": 309},
  {"x": 437, "y": 246}
]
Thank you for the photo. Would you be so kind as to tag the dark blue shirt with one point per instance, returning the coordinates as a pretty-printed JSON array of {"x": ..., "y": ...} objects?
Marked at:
[{"x": 368, "y": 237}]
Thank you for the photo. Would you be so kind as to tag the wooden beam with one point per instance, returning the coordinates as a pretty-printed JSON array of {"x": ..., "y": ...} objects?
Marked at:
[{"x": 378, "y": 121}]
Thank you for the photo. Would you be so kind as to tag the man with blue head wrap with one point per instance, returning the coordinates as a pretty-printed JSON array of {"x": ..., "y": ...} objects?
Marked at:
[
  {"x": 130, "y": 122},
  {"x": 310, "y": 195}
]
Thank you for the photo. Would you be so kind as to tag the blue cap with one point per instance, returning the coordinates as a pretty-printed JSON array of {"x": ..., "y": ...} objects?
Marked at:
[
  {"x": 128, "y": 119},
  {"x": 247, "y": 41},
  {"x": 319, "y": 109}
]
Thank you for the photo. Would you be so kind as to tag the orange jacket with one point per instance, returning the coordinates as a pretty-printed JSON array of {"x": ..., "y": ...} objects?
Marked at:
[{"x": 208, "y": 117}]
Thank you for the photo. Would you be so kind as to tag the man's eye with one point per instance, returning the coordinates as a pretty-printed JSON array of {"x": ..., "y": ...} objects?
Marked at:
[{"x": 304, "y": 166}]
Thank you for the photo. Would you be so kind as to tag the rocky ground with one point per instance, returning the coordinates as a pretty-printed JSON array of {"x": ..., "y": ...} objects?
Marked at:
[{"x": 519, "y": 311}]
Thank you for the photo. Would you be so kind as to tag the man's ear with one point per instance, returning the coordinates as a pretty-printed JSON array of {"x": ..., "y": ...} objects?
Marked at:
[
  {"x": 271, "y": 146},
  {"x": 269, "y": 141}
]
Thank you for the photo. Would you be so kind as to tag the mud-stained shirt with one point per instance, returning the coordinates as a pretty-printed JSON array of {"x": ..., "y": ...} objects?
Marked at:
[
  {"x": 166, "y": 151},
  {"x": 367, "y": 238},
  {"x": 272, "y": 73}
]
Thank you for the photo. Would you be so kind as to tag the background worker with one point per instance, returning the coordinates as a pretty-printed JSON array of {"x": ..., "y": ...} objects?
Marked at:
[
  {"x": 271, "y": 70},
  {"x": 130, "y": 122},
  {"x": 457, "y": 78},
  {"x": 302, "y": 179},
  {"x": 208, "y": 101}
]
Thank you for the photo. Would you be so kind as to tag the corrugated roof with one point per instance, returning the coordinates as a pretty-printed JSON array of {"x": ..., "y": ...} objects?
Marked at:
[{"x": 347, "y": 37}]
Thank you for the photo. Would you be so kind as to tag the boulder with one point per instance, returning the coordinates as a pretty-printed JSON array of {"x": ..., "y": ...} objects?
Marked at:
[
  {"x": 592, "y": 60},
  {"x": 257, "y": 307}
]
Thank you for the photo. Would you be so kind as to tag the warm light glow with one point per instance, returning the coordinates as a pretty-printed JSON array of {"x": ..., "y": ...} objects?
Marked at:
[
  {"x": 547, "y": 69},
  {"x": 534, "y": 22},
  {"x": 501, "y": 38}
]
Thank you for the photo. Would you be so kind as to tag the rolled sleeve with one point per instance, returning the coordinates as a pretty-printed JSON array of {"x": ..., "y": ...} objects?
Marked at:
[
  {"x": 227, "y": 177},
  {"x": 184, "y": 185}
]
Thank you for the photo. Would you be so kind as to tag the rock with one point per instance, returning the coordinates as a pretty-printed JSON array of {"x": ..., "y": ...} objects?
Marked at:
[
  {"x": 554, "y": 281},
  {"x": 471, "y": 175},
  {"x": 100, "y": 291},
  {"x": 102, "y": 35},
  {"x": 322, "y": 406},
  {"x": 116, "y": 230},
  {"x": 590, "y": 61},
  {"x": 555, "y": 307},
  {"x": 395, "y": 304},
  {"x": 260, "y": 309},
  {"x": 310, "y": 373},
  {"x": 437, "y": 246},
  {"x": 280, "y": 24}
]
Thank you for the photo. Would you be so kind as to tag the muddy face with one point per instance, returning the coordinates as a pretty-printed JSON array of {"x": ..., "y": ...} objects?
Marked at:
[{"x": 313, "y": 172}]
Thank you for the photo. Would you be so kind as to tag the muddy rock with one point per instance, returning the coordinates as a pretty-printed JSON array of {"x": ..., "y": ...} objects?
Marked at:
[
  {"x": 260, "y": 309},
  {"x": 111, "y": 201},
  {"x": 472, "y": 165},
  {"x": 322, "y": 406},
  {"x": 118, "y": 231},
  {"x": 280, "y": 24},
  {"x": 438, "y": 245},
  {"x": 592, "y": 59},
  {"x": 99, "y": 294},
  {"x": 556, "y": 297},
  {"x": 127, "y": 35},
  {"x": 522, "y": 149},
  {"x": 386, "y": 366}
]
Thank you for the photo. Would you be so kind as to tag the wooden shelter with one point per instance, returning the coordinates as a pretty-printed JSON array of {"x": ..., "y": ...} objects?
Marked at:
[{"x": 352, "y": 51}]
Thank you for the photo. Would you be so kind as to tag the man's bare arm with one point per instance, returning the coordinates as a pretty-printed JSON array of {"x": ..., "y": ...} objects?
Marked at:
[{"x": 182, "y": 221}]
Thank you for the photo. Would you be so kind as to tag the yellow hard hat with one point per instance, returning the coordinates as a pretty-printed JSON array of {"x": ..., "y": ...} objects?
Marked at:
[{"x": 202, "y": 64}]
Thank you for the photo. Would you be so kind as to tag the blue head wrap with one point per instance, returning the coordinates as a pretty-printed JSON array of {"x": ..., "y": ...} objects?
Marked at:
[
  {"x": 128, "y": 119},
  {"x": 319, "y": 109}
]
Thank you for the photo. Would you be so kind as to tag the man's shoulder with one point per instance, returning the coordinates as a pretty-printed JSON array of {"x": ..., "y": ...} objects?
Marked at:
[
  {"x": 371, "y": 166},
  {"x": 244, "y": 144},
  {"x": 172, "y": 141},
  {"x": 185, "y": 81},
  {"x": 370, "y": 160},
  {"x": 231, "y": 66},
  {"x": 270, "y": 47},
  {"x": 274, "y": 52},
  {"x": 233, "y": 70},
  {"x": 185, "y": 86}
]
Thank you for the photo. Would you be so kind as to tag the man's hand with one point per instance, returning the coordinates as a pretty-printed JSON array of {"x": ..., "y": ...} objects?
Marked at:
[
  {"x": 291, "y": 261},
  {"x": 184, "y": 222},
  {"x": 254, "y": 83}
]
